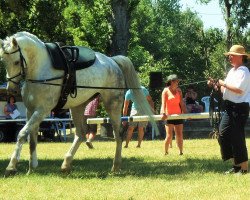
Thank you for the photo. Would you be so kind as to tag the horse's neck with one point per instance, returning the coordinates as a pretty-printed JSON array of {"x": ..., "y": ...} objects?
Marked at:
[
  {"x": 42, "y": 69},
  {"x": 38, "y": 64},
  {"x": 27, "y": 35}
]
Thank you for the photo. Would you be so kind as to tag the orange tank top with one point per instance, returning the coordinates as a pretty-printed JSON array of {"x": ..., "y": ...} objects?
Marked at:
[{"x": 173, "y": 103}]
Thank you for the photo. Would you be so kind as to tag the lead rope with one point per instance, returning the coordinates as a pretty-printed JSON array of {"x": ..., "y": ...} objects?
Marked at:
[{"x": 215, "y": 113}]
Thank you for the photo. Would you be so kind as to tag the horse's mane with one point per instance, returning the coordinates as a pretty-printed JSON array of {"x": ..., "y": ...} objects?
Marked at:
[
  {"x": 27, "y": 34},
  {"x": 28, "y": 43},
  {"x": 7, "y": 43}
]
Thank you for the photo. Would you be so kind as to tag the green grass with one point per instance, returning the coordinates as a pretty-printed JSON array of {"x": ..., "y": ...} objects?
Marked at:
[{"x": 146, "y": 173}]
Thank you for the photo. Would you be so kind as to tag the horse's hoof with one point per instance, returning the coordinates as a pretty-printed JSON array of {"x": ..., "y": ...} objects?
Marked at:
[
  {"x": 65, "y": 170},
  {"x": 116, "y": 170},
  {"x": 9, "y": 173},
  {"x": 30, "y": 171},
  {"x": 34, "y": 164},
  {"x": 116, "y": 173}
]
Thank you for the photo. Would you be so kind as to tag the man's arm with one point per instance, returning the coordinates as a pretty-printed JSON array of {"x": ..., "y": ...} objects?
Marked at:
[
  {"x": 229, "y": 87},
  {"x": 125, "y": 108}
]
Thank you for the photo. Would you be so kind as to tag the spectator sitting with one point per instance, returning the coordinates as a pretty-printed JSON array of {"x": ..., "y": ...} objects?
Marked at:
[
  {"x": 8, "y": 111},
  {"x": 191, "y": 104},
  {"x": 10, "y": 107}
]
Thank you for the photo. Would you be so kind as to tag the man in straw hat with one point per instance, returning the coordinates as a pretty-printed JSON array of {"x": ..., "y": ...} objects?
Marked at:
[{"x": 235, "y": 89}]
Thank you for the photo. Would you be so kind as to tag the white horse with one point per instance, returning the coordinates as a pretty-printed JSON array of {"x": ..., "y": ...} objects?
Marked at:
[{"x": 26, "y": 58}]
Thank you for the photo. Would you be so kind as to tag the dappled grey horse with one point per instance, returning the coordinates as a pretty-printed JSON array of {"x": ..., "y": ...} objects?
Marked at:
[{"x": 28, "y": 61}]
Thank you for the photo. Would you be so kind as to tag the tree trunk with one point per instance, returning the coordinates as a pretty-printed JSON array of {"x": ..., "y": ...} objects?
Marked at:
[
  {"x": 228, "y": 23},
  {"x": 121, "y": 15}
]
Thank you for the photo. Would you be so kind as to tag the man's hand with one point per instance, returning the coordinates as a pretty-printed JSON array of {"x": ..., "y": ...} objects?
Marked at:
[
  {"x": 210, "y": 82},
  {"x": 213, "y": 83}
]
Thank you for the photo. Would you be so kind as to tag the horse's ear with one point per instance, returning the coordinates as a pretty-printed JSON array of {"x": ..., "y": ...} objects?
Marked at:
[{"x": 14, "y": 42}]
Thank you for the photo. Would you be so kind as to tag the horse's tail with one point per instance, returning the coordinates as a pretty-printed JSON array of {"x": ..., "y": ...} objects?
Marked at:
[{"x": 132, "y": 81}]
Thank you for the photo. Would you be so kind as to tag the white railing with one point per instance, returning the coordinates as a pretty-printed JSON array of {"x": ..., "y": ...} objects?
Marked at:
[
  {"x": 46, "y": 120},
  {"x": 204, "y": 115}
]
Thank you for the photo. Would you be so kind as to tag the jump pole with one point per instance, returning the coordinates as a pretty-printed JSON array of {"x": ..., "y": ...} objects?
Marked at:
[{"x": 144, "y": 118}]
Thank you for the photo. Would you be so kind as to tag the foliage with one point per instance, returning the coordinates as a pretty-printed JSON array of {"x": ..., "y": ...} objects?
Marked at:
[
  {"x": 240, "y": 15},
  {"x": 216, "y": 68},
  {"x": 162, "y": 37},
  {"x": 88, "y": 23},
  {"x": 236, "y": 15},
  {"x": 52, "y": 27},
  {"x": 168, "y": 48},
  {"x": 214, "y": 48},
  {"x": 2, "y": 73}
]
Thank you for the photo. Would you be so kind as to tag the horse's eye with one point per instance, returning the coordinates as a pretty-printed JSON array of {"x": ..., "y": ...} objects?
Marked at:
[{"x": 16, "y": 63}]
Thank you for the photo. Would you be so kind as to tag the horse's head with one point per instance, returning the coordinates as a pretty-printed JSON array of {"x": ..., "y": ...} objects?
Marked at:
[{"x": 12, "y": 57}]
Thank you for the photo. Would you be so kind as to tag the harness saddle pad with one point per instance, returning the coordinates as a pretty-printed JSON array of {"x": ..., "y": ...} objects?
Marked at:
[{"x": 80, "y": 57}]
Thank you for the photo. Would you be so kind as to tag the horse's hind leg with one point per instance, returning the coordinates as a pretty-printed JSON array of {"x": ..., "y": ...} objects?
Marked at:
[
  {"x": 113, "y": 106},
  {"x": 77, "y": 115}
]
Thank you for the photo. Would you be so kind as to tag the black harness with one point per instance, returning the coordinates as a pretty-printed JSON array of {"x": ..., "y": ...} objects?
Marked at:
[
  {"x": 215, "y": 112},
  {"x": 23, "y": 62},
  {"x": 67, "y": 58}
]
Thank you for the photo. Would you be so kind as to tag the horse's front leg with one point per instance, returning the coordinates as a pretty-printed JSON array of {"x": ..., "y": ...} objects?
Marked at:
[
  {"x": 33, "y": 128},
  {"x": 33, "y": 161},
  {"x": 30, "y": 129},
  {"x": 15, "y": 157}
]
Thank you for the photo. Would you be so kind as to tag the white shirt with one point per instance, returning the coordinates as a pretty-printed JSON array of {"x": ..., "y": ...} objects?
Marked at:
[{"x": 239, "y": 78}]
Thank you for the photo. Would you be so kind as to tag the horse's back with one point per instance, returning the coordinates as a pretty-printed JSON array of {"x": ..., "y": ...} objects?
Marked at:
[
  {"x": 107, "y": 67},
  {"x": 104, "y": 73}
]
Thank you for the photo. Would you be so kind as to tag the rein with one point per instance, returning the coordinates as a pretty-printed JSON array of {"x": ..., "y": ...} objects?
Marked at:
[
  {"x": 193, "y": 83},
  {"x": 45, "y": 82},
  {"x": 215, "y": 113}
]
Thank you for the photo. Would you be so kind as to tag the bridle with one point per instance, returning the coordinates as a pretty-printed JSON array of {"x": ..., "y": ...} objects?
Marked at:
[{"x": 23, "y": 66}]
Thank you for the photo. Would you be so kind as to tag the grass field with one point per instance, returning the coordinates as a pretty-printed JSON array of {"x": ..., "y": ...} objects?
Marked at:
[{"x": 146, "y": 173}]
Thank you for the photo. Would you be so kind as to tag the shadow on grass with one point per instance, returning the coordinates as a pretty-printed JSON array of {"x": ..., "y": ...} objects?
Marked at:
[{"x": 100, "y": 168}]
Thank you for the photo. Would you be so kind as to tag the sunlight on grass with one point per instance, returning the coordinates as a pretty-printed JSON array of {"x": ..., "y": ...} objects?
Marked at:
[{"x": 146, "y": 173}]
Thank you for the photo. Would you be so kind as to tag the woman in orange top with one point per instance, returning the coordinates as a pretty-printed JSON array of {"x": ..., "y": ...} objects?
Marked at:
[{"x": 172, "y": 103}]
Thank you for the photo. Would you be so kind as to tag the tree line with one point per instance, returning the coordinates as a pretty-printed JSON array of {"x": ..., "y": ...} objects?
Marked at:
[{"x": 155, "y": 34}]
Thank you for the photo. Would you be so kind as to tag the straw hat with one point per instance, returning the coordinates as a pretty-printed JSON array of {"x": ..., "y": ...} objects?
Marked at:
[{"x": 237, "y": 50}]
